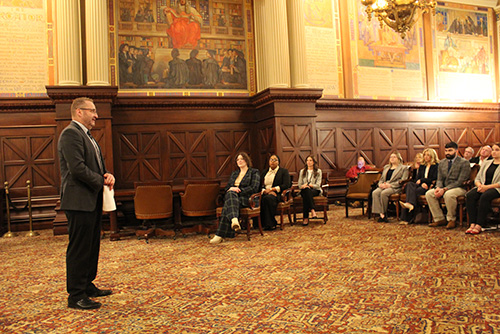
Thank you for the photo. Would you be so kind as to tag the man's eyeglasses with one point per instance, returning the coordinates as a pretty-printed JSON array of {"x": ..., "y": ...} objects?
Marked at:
[
  {"x": 92, "y": 110},
  {"x": 273, "y": 159}
]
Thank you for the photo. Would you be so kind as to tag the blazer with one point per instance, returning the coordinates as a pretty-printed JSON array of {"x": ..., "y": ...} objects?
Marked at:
[
  {"x": 249, "y": 185},
  {"x": 400, "y": 173},
  {"x": 475, "y": 160},
  {"x": 481, "y": 175},
  {"x": 315, "y": 182},
  {"x": 81, "y": 178},
  {"x": 458, "y": 174},
  {"x": 432, "y": 176},
  {"x": 281, "y": 179}
]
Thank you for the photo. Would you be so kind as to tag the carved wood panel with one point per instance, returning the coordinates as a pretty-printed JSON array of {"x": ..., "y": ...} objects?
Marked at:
[
  {"x": 327, "y": 149},
  {"x": 297, "y": 143},
  {"x": 28, "y": 156},
  {"x": 138, "y": 157},
  {"x": 355, "y": 142},
  {"x": 390, "y": 140},
  {"x": 267, "y": 144},
  {"x": 227, "y": 144},
  {"x": 187, "y": 154}
]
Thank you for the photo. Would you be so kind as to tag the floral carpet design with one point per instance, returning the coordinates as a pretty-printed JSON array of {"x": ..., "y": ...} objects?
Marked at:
[{"x": 351, "y": 276}]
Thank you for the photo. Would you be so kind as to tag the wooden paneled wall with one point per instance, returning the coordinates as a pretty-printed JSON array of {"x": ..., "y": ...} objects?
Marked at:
[{"x": 177, "y": 138}]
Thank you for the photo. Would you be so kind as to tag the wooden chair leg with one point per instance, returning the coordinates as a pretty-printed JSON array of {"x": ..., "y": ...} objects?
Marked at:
[
  {"x": 347, "y": 208},
  {"x": 325, "y": 213},
  {"x": 281, "y": 220},
  {"x": 290, "y": 216},
  {"x": 247, "y": 219},
  {"x": 260, "y": 225},
  {"x": 397, "y": 210},
  {"x": 362, "y": 207}
]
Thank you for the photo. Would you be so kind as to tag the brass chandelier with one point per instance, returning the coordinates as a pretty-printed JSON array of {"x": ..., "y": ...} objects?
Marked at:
[{"x": 399, "y": 15}]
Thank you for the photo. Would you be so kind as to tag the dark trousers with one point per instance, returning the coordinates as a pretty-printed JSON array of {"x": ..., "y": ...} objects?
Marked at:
[
  {"x": 413, "y": 191},
  {"x": 308, "y": 200},
  {"x": 82, "y": 255},
  {"x": 479, "y": 205},
  {"x": 268, "y": 206}
]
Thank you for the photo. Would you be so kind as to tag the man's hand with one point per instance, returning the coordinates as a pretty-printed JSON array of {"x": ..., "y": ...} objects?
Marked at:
[
  {"x": 109, "y": 180},
  {"x": 438, "y": 192},
  {"x": 235, "y": 189}
]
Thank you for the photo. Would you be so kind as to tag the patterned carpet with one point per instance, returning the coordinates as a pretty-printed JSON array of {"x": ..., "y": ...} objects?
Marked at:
[{"x": 349, "y": 276}]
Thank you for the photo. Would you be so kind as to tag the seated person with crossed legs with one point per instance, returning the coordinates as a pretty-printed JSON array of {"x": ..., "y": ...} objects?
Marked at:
[
  {"x": 487, "y": 188},
  {"x": 426, "y": 174},
  {"x": 242, "y": 183},
  {"x": 452, "y": 173}
]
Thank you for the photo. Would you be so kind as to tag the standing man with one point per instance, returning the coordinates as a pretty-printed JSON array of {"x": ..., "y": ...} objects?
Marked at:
[
  {"x": 83, "y": 176},
  {"x": 452, "y": 173}
]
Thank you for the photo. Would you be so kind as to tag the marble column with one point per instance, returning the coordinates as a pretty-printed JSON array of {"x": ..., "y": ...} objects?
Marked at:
[
  {"x": 96, "y": 25},
  {"x": 271, "y": 30},
  {"x": 297, "y": 41},
  {"x": 68, "y": 43}
]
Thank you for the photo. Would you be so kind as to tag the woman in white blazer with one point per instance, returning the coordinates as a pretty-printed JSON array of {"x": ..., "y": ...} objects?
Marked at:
[
  {"x": 487, "y": 188},
  {"x": 310, "y": 186},
  {"x": 388, "y": 184}
]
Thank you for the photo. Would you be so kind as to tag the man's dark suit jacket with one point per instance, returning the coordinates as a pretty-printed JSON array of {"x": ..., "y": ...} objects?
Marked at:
[
  {"x": 281, "y": 179},
  {"x": 81, "y": 178},
  {"x": 475, "y": 160}
]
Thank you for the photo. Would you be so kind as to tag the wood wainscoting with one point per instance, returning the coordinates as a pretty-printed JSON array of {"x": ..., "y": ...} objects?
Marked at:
[{"x": 173, "y": 138}]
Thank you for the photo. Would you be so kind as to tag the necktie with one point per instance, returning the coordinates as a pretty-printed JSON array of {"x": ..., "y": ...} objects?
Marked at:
[
  {"x": 97, "y": 151},
  {"x": 449, "y": 165}
]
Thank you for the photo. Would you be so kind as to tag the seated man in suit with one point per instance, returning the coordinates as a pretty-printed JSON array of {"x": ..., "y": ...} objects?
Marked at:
[
  {"x": 453, "y": 171},
  {"x": 468, "y": 153},
  {"x": 273, "y": 180},
  {"x": 484, "y": 154}
]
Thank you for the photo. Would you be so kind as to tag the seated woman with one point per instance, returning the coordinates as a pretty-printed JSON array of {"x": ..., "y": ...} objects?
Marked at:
[
  {"x": 241, "y": 185},
  {"x": 310, "y": 186},
  {"x": 417, "y": 162},
  {"x": 389, "y": 184},
  {"x": 422, "y": 181},
  {"x": 274, "y": 180},
  {"x": 478, "y": 200}
]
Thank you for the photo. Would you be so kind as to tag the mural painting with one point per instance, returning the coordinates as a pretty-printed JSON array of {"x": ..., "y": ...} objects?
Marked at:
[{"x": 182, "y": 44}]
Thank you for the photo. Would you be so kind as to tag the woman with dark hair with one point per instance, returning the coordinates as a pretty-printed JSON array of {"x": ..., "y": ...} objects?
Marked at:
[
  {"x": 487, "y": 188},
  {"x": 242, "y": 183},
  {"x": 310, "y": 186},
  {"x": 273, "y": 180}
]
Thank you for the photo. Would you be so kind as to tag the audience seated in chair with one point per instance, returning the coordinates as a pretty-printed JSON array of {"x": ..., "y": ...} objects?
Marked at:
[
  {"x": 388, "y": 184},
  {"x": 484, "y": 155},
  {"x": 242, "y": 183},
  {"x": 487, "y": 188},
  {"x": 452, "y": 173},
  {"x": 468, "y": 153},
  {"x": 309, "y": 186},
  {"x": 425, "y": 177},
  {"x": 355, "y": 170},
  {"x": 274, "y": 181}
]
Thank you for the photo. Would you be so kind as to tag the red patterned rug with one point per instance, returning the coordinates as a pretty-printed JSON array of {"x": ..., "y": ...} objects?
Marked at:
[{"x": 348, "y": 276}]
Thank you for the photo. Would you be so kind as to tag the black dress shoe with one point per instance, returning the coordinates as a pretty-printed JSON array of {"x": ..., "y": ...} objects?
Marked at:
[
  {"x": 99, "y": 293},
  {"x": 84, "y": 304}
]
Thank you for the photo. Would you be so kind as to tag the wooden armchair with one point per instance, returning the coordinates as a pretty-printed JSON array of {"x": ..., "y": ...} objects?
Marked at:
[
  {"x": 360, "y": 190},
  {"x": 153, "y": 201},
  {"x": 320, "y": 202},
  {"x": 246, "y": 213},
  {"x": 199, "y": 204}
]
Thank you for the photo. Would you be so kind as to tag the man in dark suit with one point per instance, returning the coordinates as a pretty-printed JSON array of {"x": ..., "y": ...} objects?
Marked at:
[
  {"x": 452, "y": 173},
  {"x": 83, "y": 176},
  {"x": 274, "y": 181}
]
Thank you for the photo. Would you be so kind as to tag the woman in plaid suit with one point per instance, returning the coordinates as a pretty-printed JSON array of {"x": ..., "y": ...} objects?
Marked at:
[{"x": 241, "y": 185}]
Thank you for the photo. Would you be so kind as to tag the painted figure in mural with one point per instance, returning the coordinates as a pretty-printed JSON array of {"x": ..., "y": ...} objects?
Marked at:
[
  {"x": 240, "y": 67},
  {"x": 195, "y": 71},
  {"x": 185, "y": 24},
  {"x": 178, "y": 72},
  {"x": 226, "y": 75},
  {"x": 124, "y": 63},
  {"x": 210, "y": 70}
]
